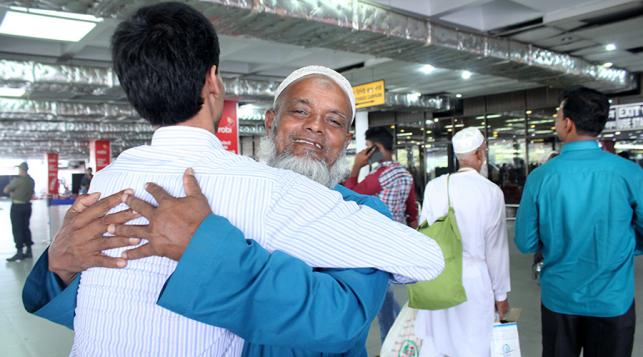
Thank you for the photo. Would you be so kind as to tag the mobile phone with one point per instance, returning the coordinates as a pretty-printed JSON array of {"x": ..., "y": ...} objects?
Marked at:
[{"x": 376, "y": 156}]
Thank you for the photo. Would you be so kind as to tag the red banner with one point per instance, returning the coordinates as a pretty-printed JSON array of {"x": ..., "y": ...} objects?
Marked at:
[
  {"x": 228, "y": 131},
  {"x": 52, "y": 173},
  {"x": 100, "y": 154}
]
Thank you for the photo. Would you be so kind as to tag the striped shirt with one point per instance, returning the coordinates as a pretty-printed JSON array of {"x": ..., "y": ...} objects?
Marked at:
[{"x": 116, "y": 312}]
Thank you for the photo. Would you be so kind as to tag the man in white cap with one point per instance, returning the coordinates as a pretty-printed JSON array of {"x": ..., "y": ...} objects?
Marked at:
[
  {"x": 267, "y": 299},
  {"x": 465, "y": 330}
]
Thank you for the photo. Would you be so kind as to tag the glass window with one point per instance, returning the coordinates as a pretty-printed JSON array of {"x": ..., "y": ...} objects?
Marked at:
[{"x": 507, "y": 153}]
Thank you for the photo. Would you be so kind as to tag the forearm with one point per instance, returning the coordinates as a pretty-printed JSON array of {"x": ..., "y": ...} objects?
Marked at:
[
  {"x": 273, "y": 299},
  {"x": 45, "y": 295}
]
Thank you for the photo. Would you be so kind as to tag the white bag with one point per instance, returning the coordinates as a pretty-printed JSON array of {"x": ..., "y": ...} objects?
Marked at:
[
  {"x": 505, "y": 342},
  {"x": 401, "y": 340}
]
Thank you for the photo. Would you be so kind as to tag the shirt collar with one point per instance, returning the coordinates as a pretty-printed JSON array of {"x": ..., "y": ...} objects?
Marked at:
[
  {"x": 580, "y": 145},
  {"x": 185, "y": 137}
]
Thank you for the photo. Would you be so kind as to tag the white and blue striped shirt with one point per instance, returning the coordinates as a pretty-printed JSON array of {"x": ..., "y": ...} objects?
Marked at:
[{"x": 116, "y": 313}]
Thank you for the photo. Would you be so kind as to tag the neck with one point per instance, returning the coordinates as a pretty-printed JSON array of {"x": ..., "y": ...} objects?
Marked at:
[
  {"x": 576, "y": 137},
  {"x": 202, "y": 120},
  {"x": 387, "y": 156}
]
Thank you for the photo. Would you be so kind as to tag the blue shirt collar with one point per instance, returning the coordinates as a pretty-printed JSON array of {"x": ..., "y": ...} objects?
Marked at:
[{"x": 580, "y": 145}]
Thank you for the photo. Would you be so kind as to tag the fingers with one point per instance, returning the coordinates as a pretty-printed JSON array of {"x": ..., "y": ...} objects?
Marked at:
[
  {"x": 130, "y": 230},
  {"x": 100, "y": 209},
  {"x": 84, "y": 201},
  {"x": 157, "y": 192},
  {"x": 143, "y": 208},
  {"x": 116, "y": 242},
  {"x": 190, "y": 184},
  {"x": 121, "y": 217},
  {"x": 140, "y": 252},
  {"x": 107, "y": 262}
]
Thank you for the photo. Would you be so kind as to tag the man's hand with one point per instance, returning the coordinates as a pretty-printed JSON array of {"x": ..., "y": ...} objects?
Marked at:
[
  {"x": 171, "y": 225},
  {"x": 502, "y": 307},
  {"x": 361, "y": 160},
  {"x": 79, "y": 242}
]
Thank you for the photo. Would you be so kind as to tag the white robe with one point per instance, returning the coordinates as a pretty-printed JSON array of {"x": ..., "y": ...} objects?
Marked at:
[{"x": 465, "y": 330}]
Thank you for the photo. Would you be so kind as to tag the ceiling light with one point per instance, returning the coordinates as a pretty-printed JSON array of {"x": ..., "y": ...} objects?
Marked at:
[
  {"x": 466, "y": 74},
  {"x": 618, "y": 133},
  {"x": 610, "y": 101},
  {"x": 608, "y": 64},
  {"x": 51, "y": 25},
  {"x": 610, "y": 47},
  {"x": 528, "y": 112},
  {"x": 427, "y": 68},
  {"x": 415, "y": 95},
  {"x": 459, "y": 95},
  {"x": 491, "y": 116},
  {"x": 12, "y": 92},
  {"x": 436, "y": 120}
]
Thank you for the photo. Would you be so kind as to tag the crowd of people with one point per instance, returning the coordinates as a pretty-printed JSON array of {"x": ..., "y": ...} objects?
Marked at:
[{"x": 185, "y": 249}]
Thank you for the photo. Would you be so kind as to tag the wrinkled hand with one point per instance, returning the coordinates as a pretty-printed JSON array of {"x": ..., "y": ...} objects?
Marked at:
[
  {"x": 361, "y": 160},
  {"x": 502, "y": 307},
  {"x": 79, "y": 242},
  {"x": 171, "y": 225}
]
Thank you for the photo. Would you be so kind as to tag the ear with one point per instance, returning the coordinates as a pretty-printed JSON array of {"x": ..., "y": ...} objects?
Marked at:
[
  {"x": 270, "y": 118},
  {"x": 213, "y": 83},
  {"x": 349, "y": 137},
  {"x": 570, "y": 126}
]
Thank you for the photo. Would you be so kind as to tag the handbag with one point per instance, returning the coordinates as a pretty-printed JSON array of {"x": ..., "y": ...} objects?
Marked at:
[
  {"x": 446, "y": 290},
  {"x": 505, "y": 342},
  {"x": 401, "y": 340}
]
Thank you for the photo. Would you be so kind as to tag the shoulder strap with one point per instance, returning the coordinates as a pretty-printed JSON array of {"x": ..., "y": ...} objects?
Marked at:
[{"x": 448, "y": 196}]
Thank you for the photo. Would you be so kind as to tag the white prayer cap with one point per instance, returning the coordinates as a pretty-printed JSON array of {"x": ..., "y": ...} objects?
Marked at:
[
  {"x": 467, "y": 140},
  {"x": 341, "y": 81}
]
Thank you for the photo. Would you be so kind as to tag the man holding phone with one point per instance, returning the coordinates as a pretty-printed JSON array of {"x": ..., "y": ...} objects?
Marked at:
[{"x": 393, "y": 185}]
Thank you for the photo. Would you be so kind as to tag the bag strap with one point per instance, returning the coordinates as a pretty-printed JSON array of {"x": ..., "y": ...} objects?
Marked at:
[{"x": 448, "y": 196}]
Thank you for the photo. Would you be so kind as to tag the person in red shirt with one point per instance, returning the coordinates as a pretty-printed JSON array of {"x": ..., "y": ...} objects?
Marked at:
[{"x": 393, "y": 185}]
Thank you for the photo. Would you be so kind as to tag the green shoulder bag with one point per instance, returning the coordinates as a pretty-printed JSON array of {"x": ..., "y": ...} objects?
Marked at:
[{"x": 446, "y": 290}]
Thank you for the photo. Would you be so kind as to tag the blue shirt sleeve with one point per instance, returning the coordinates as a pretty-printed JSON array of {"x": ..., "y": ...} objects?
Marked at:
[
  {"x": 45, "y": 295},
  {"x": 527, "y": 238},
  {"x": 273, "y": 299}
]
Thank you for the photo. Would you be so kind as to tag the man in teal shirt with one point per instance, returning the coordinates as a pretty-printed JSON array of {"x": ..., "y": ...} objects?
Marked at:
[{"x": 584, "y": 211}]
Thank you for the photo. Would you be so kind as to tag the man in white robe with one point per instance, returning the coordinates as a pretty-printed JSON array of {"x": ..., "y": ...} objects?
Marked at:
[{"x": 465, "y": 330}]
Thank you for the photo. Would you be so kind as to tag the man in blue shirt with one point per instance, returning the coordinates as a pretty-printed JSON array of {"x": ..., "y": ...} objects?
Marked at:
[{"x": 584, "y": 210}]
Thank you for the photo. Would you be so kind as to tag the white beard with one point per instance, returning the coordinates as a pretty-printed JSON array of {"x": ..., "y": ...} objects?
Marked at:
[
  {"x": 307, "y": 165},
  {"x": 484, "y": 170}
]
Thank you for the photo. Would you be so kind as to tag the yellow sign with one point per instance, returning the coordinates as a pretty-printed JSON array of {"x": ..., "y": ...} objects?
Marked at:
[{"x": 369, "y": 94}]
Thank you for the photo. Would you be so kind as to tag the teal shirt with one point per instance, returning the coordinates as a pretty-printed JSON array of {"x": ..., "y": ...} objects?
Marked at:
[
  {"x": 277, "y": 303},
  {"x": 584, "y": 210}
]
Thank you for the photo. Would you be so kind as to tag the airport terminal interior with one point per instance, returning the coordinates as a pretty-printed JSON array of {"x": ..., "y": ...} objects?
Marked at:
[{"x": 423, "y": 69}]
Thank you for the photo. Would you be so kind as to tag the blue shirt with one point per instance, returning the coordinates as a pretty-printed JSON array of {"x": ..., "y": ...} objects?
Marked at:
[
  {"x": 584, "y": 209},
  {"x": 278, "y": 304}
]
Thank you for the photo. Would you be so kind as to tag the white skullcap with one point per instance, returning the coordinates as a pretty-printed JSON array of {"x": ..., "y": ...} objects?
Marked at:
[
  {"x": 467, "y": 140},
  {"x": 341, "y": 81}
]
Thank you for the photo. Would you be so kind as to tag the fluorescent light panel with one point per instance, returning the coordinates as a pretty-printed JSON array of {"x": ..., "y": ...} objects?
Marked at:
[
  {"x": 11, "y": 92},
  {"x": 46, "y": 27}
]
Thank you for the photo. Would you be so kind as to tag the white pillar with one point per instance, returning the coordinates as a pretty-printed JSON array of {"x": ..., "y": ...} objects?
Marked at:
[{"x": 361, "y": 125}]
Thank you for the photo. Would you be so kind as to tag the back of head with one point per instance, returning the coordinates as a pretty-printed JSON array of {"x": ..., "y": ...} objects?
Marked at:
[
  {"x": 380, "y": 135},
  {"x": 587, "y": 108},
  {"x": 161, "y": 56}
]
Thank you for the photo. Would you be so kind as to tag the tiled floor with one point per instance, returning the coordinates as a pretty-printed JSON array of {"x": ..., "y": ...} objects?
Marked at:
[{"x": 24, "y": 335}]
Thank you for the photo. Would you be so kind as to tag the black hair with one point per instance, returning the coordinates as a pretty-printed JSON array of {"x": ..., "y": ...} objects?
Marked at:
[
  {"x": 380, "y": 135},
  {"x": 161, "y": 56},
  {"x": 587, "y": 108}
]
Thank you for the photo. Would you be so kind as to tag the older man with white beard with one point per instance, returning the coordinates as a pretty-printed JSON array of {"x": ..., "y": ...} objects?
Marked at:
[
  {"x": 275, "y": 302},
  {"x": 465, "y": 330}
]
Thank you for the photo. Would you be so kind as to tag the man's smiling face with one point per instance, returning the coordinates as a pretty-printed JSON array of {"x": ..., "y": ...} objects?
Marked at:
[{"x": 312, "y": 119}]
